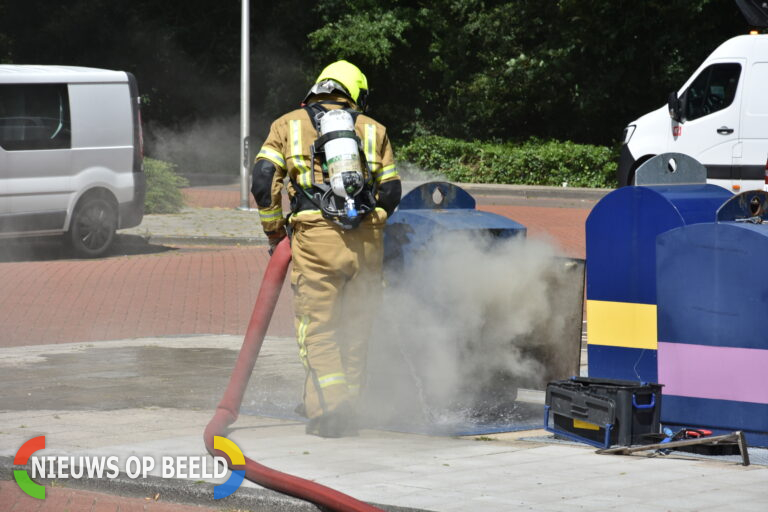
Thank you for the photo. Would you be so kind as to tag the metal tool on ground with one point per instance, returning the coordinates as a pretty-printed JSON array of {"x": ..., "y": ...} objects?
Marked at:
[
  {"x": 737, "y": 436},
  {"x": 669, "y": 435}
]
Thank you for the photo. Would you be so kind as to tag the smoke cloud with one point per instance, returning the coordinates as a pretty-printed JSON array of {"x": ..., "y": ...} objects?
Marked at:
[
  {"x": 209, "y": 146},
  {"x": 469, "y": 320},
  {"x": 413, "y": 173}
]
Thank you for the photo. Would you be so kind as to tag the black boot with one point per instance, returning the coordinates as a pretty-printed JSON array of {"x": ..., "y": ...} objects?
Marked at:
[{"x": 341, "y": 422}]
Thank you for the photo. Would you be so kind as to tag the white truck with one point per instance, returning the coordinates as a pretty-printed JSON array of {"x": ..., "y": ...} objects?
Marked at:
[
  {"x": 719, "y": 117},
  {"x": 70, "y": 155}
]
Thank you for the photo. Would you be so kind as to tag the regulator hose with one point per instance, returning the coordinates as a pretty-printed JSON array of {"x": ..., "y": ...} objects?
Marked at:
[{"x": 229, "y": 408}]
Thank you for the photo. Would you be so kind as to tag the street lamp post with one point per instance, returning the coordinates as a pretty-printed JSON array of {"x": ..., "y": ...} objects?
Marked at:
[{"x": 245, "y": 106}]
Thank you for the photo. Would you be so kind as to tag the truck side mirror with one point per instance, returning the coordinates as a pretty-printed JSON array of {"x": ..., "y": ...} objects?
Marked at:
[{"x": 675, "y": 107}]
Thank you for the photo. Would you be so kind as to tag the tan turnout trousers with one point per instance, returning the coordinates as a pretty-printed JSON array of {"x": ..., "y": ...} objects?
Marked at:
[{"x": 336, "y": 280}]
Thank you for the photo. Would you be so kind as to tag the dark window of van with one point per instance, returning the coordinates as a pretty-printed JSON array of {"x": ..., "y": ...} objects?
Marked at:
[
  {"x": 34, "y": 116},
  {"x": 713, "y": 90}
]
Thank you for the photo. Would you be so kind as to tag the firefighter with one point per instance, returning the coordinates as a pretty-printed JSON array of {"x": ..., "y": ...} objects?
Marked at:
[{"x": 338, "y": 168}]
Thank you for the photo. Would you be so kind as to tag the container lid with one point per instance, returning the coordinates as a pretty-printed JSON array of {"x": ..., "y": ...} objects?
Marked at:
[{"x": 437, "y": 195}]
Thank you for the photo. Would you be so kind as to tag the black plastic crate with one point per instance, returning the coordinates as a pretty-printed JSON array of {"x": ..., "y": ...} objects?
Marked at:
[{"x": 603, "y": 412}]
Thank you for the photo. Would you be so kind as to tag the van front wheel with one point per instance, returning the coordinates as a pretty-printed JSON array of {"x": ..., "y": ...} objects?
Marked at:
[{"x": 93, "y": 227}]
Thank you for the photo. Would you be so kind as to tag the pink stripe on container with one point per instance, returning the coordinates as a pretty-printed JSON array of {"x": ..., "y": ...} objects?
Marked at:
[{"x": 719, "y": 373}]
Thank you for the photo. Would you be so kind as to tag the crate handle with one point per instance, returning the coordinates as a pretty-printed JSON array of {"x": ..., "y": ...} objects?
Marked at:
[
  {"x": 578, "y": 410},
  {"x": 644, "y": 406}
]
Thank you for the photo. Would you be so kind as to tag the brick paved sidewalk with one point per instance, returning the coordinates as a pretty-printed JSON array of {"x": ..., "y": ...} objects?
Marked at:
[
  {"x": 207, "y": 290},
  {"x": 563, "y": 226}
]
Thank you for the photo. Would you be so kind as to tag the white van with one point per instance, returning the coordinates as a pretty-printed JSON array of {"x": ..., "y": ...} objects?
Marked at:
[
  {"x": 70, "y": 155},
  {"x": 719, "y": 117}
]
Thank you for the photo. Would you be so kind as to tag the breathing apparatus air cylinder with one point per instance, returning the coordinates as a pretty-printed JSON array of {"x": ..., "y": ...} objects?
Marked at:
[{"x": 342, "y": 156}]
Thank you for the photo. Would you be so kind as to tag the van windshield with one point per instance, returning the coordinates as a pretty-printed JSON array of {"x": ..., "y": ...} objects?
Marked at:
[
  {"x": 34, "y": 116},
  {"x": 714, "y": 89}
]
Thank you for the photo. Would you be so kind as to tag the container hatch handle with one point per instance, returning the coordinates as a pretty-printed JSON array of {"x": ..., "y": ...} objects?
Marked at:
[{"x": 644, "y": 406}]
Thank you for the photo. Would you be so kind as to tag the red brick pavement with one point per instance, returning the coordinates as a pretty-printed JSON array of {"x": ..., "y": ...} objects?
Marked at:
[
  {"x": 562, "y": 226},
  {"x": 59, "y": 499},
  {"x": 214, "y": 197},
  {"x": 210, "y": 291},
  {"x": 200, "y": 291}
]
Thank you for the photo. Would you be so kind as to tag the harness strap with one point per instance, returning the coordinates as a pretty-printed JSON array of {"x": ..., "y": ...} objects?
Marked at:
[{"x": 338, "y": 134}]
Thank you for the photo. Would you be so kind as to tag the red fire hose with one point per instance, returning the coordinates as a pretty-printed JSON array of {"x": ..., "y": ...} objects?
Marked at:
[{"x": 229, "y": 407}]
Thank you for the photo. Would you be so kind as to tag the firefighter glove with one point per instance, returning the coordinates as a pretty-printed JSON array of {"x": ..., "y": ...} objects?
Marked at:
[{"x": 275, "y": 237}]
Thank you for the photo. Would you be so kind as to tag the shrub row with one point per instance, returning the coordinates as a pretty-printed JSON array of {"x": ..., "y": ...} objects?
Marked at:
[
  {"x": 534, "y": 162},
  {"x": 163, "y": 187}
]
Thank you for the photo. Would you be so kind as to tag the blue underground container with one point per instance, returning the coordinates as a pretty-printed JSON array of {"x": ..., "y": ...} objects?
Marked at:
[
  {"x": 621, "y": 236},
  {"x": 712, "y": 289},
  {"x": 437, "y": 208}
]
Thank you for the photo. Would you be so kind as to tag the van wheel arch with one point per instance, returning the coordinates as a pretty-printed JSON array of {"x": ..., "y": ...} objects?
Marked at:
[
  {"x": 94, "y": 222},
  {"x": 640, "y": 161}
]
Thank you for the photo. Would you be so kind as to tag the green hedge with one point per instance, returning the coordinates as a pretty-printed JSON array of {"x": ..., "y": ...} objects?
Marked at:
[
  {"x": 534, "y": 162},
  {"x": 163, "y": 187}
]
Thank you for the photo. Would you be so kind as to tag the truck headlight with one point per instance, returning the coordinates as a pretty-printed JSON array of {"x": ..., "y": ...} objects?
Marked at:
[{"x": 628, "y": 131}]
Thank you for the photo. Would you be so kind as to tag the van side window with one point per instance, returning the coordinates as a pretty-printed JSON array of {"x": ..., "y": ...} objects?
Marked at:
[
  {"x": 713, "y": 90},
  {"x": 34, "y": 116}
]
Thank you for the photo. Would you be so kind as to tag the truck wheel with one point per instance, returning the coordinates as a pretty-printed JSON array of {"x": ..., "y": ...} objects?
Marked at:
[{"x": 93, "y": 227}]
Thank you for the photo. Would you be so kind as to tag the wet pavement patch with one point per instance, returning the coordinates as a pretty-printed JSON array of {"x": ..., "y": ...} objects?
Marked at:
[
  {"x": 134, "y": 374},
  {"x": 121, "y": 378},
  {"x": 95, "y": 378}
]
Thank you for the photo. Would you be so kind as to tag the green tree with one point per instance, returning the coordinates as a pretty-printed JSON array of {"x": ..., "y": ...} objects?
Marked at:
[
  {"x": 487, "y": 69},
  {"x": 350, "y": 37},
  {"x": 571, "y": 69}
]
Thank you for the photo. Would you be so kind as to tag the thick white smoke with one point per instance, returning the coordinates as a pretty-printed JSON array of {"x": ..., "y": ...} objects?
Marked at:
[{"x": 467, "y": 322}]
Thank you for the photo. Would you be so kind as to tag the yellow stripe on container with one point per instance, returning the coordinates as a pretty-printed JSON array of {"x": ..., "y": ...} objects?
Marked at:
[{"x": 622, "y": 324}]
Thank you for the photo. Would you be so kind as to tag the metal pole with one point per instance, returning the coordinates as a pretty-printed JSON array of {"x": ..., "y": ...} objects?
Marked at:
[{"x": 245, "y": 106}]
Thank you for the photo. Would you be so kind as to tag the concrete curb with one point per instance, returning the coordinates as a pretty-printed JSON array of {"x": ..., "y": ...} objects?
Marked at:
[
  {"x": 527, "y": 191},
  {"x": 532, "y": 191},
  {"x": 186, "y": 492},
  {"x": 204, "y": 240}
]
